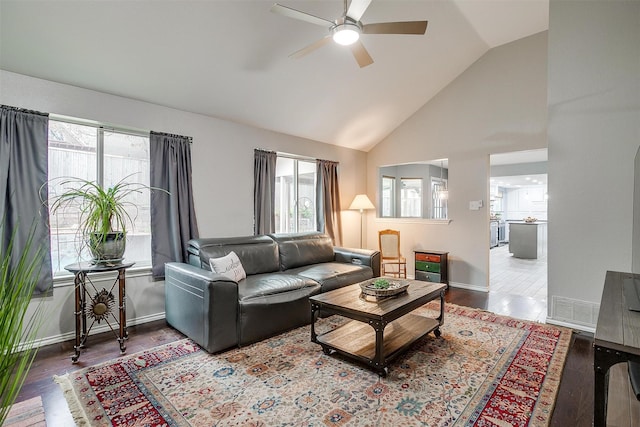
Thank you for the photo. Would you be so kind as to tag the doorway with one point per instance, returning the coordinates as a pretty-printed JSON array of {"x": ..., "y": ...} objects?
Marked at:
[{"x": 518, "y": 192}]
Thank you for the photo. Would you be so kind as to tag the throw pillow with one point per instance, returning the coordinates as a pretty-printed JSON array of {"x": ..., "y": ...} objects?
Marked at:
[{"x": 228, "y": 266}]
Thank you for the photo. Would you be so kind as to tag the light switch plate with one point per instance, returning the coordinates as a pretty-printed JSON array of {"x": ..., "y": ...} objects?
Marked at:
[{"x": 475, "y": 205}]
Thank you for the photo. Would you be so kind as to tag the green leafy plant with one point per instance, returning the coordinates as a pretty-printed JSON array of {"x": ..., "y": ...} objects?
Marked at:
[
  {"x": 381, "y": 284},
  {"x": 19, "y": 274},
  {"x": 103, "y": 211}
]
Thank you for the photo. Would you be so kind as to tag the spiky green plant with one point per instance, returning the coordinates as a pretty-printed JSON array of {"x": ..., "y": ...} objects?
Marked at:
[
  {"x": 102, "y": 210},
  {"x": 19, "y": 274}
]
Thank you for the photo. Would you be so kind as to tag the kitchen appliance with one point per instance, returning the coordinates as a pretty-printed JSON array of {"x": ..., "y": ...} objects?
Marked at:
[
  {"x": 493, "y": 226},
  {"x": 502, "y": 237}
]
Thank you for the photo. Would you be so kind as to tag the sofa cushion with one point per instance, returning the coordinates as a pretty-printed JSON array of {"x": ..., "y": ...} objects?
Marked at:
[
  {"x": 334, "y": 275},
  {"x": 258, "y": 254},
  {"x": 303, "y": 249},
  {"x": 228, "y": 266},
  {"x": 263, "y": 316},
  {"x": 278, "y": 285}
]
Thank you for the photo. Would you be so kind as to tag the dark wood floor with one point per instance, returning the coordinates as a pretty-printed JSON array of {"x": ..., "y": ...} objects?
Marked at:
[{"x": 574, "y": 405}]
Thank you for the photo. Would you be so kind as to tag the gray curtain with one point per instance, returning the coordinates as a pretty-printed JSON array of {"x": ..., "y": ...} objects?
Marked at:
[
  {"x": 328, "y": 200},
  {"x": 173, "y": 218},
  {"x": 264, "y": 191},
  {"x": 24, "y": 159}
]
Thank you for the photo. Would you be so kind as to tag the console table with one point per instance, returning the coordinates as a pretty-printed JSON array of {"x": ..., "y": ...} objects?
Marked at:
[
  {"x": 98, "y": 307},
  {"x": 617, "y": 339}
]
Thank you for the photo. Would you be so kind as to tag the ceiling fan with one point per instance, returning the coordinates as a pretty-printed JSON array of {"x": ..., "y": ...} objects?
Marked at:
[{"x": 346, "y": 29}]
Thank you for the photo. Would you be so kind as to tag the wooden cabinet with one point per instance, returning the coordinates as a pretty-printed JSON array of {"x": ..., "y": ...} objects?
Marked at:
[{"x": 432, "y": 266}]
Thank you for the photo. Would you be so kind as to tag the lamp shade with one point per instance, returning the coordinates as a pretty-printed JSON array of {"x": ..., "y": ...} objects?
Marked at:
[{"x": 361, "y": 202}]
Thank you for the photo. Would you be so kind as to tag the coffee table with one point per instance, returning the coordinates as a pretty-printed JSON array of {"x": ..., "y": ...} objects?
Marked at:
[{"x": 380, "y": 330}]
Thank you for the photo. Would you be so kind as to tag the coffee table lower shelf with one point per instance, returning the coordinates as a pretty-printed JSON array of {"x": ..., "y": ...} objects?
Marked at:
[{"x": 357, "y": 340}]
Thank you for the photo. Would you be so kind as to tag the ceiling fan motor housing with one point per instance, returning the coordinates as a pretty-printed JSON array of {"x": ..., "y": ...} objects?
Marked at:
[{"x": 346, "y": 31}]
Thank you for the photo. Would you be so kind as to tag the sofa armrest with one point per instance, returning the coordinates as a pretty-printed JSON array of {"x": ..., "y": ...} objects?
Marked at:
[
  {"x": 202, "y": 305},
  {"x": 359, "y": 256}
]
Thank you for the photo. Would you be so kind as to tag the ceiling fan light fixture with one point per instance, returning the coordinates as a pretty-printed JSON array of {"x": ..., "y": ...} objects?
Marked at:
[{"x": 346, "y": 34}]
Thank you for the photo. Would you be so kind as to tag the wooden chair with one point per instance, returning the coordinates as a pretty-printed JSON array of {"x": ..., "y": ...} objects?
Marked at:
[{"x": 390, "y": 256}]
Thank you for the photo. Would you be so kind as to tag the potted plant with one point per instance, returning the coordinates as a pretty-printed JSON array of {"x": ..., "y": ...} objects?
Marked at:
[
  {"x": 19, "y": 272},
  {"x": 104, "y": 214}
]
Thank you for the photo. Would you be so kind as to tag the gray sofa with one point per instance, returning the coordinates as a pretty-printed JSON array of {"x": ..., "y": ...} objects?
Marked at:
[{"x": 283, "y": 271}]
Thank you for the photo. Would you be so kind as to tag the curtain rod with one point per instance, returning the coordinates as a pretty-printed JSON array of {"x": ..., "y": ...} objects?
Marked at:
[
  {"x": 173, "y": 135},
  {"x": 297, "y": 157},
  {"x": 112, "y": 128},
  {"x": 294, "y": 156},
  {"x": 24, "y": 110},
  {"x": 99, "y": 125}
]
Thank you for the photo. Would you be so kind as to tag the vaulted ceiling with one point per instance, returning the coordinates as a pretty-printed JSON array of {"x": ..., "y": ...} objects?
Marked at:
[{"x": 229, "y": 59}]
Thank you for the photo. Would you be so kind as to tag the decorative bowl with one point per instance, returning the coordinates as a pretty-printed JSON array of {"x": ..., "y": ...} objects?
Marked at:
[{"x": 395, "y": 287}]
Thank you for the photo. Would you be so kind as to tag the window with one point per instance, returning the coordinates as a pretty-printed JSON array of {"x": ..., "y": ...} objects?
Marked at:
[
  {"x": 105, "y": 156},
  {"x": 411, "y": 197},
  {"x": 295, "y": 208},
  {"x": 439, "y": 197},
  {"x": 388, "y": 196}
]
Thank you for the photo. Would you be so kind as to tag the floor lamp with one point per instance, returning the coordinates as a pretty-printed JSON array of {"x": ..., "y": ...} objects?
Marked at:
[{"x": 361, "y": 202}]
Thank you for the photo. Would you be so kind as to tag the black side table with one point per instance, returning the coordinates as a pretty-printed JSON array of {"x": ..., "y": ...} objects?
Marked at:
[{"x": 98, "y": 307}]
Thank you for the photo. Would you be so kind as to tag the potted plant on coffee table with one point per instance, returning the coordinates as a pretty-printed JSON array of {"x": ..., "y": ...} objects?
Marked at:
[{"x": 105, "y": 214}]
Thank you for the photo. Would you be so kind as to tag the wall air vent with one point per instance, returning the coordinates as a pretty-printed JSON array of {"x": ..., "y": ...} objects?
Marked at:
[{"x": 575, "y": 312}]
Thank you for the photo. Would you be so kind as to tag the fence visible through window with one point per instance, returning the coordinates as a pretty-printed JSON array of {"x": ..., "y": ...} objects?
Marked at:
[{"x": 106, "y": 157}]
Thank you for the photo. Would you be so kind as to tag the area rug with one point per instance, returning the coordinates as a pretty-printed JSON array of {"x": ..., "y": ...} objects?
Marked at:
[{"x": 484, "y": 370}]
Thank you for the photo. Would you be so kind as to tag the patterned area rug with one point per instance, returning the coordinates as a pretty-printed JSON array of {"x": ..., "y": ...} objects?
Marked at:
[{"x": 485, "y": 370}]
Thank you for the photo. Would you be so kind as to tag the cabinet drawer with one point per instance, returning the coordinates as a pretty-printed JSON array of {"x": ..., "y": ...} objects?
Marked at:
[
  {"x": 427, "y": 257},
  {"x": 428, "y": 277},
  {"x": 428, "y": 266}
]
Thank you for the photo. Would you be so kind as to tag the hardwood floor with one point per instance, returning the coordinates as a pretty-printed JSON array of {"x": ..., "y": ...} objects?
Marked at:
[{"x": 574, "y": 405}]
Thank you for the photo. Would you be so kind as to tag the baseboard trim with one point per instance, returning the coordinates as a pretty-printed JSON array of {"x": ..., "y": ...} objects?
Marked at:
[
  {"x": 468, "y": 287},
  {"x": 54, "y": 339},
  {"x": 552, "y": 321}
]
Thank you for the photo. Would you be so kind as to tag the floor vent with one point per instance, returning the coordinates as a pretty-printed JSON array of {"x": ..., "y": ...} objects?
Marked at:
[{"x": 574, "y": 311}]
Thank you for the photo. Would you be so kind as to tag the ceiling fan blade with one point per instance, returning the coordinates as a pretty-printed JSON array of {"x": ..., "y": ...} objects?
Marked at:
[
  {"x": 303, "y": 16},
  {"x": 313, "y": 46},
  {"x": 361, "y": 54},
  {"x": 409, "y": 27},
  {"x": 357, "y": 9}
]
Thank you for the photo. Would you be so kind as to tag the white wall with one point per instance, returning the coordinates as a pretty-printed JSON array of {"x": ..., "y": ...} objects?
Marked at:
[
  {"x": 635, "y": 249},
  {"x": 222, "y": 157},
  {"x": 594, "y": 133},
  {"x": 498, "y": 104}
]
